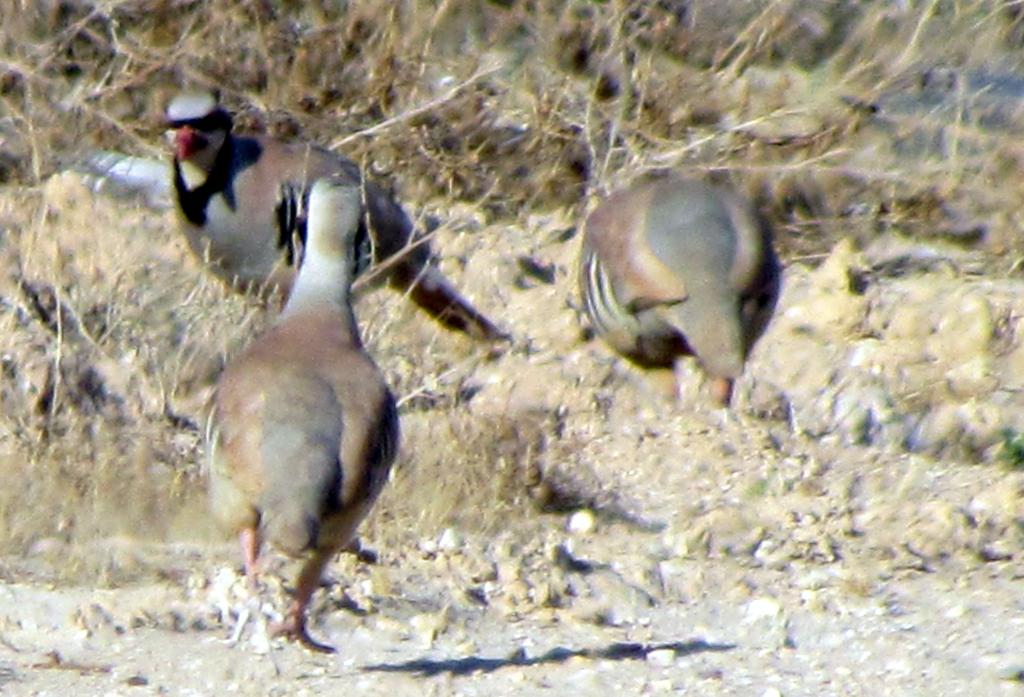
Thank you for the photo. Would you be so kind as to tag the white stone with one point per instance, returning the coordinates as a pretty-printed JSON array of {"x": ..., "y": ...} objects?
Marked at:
[
  {"x": 661, "y": 657},
  {"x": 763, "y": 608},
  {"x": 449, "y": 541},
  {"x": 581, "y": 522},
  {"x": 955, "y": 612}
]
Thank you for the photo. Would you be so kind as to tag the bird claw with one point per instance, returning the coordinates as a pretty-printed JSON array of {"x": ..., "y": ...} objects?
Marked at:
[{"x": 295, "y": 629}]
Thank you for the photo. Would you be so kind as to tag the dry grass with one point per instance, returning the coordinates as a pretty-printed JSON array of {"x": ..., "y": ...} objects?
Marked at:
[
  {"x": 113, "y": 339},
  {"x": 514, "y": 108}
]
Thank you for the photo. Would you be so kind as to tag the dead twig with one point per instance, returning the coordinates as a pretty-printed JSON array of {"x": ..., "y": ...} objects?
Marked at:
[{"x": 416, "y": 111}]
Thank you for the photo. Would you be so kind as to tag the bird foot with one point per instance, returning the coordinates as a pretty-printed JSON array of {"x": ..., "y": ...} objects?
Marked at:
[
  {"x": 294, "y": 628},
  {"x": 363, "y": 554}
]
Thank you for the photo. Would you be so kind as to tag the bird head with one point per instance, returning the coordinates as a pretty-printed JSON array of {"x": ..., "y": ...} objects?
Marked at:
[{"x": 199, "y": 125}]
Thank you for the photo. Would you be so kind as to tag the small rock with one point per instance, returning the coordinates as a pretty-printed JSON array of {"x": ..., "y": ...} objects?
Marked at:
[
  {"x": 998, "y": 550},
  {"x": 467, "y": 647},
  {"x": 508, "y": 571},
  {"x": 661, "y": 657},
  {"x": 771, "y": 692},
  {"x": 815, "y": 579},
  {"x": 772, "y": 555},
  {"x": 965, "y": 331},
  {"x": 518, "y": 592},
  {"x": 429, "y": 625},
  {"x": 449, "y": 541},
  {"x": 898, "y": 666},
  {"x": 812, "y": 600},
  {"x": 763, "y": 608},
  {"x": 581, "y": 522},
  {"x": 972, "y": 378},
  {"x": 955, "y": 612}
]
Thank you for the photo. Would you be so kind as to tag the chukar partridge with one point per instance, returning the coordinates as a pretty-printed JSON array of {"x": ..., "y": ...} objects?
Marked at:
[
  {"x": 305, "y": 427},
  {"x": 239, "y": 200},
  {"x": 673, "y": 267}
]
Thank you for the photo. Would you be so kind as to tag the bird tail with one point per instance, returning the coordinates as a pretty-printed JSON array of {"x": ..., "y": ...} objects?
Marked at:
[
  {"x": 428, "y": 288},
  {"x": 292, "y": 513},
  {"x": 291, "y": 527},
  {"x": 302, "y": 479}
]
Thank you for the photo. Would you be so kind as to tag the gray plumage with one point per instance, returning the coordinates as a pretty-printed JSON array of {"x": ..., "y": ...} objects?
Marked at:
[
  {"x": 306, "y": 428},
  {"x": 674, "y": 267},
  {"x": 240, "y": 201}
]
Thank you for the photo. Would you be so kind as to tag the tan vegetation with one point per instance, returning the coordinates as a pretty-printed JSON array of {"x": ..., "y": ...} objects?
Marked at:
[{"x": 498, "y": 119}]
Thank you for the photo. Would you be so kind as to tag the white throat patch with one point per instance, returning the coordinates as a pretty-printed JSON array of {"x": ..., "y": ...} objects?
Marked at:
[{"x": 193, "y": 175}]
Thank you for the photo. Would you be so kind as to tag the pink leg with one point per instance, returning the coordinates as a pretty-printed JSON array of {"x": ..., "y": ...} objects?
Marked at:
[
  {"x": 250, "y": 541},
  {"x": 663, "y": 382},
  {"x": 721, "y": 388},
  {"x": 294, "y": 624}
]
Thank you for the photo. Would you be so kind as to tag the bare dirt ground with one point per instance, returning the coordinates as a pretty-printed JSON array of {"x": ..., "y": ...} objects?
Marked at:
[
  {"x": 747, "y": 552},
  {"x": 854, "y": 526}
]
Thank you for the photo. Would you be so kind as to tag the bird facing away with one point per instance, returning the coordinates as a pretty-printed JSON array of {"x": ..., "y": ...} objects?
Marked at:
[
  {"x": 305, "y": 428},
  {"x": 239, "y": 203},
  {"x": 673, "y": 267}
]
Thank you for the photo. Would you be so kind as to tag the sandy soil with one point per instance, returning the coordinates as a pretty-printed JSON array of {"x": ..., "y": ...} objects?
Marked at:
[
  {"x": 784, "y": 548},
  {"x": 854, "y": 526}
]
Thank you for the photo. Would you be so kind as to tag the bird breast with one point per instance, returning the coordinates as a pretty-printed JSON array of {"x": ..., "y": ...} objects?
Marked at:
[{"x": 239, "y": 248}]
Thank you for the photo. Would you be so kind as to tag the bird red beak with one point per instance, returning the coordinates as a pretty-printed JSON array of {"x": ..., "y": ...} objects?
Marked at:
[{"x": 187, "y": 142}]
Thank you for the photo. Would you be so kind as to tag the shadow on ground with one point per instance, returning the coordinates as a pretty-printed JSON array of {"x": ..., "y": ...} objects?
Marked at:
[{"x": 474, "y": 664}]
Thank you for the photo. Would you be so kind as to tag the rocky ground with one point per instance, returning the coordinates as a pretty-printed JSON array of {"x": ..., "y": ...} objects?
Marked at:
[{"x": 853, "y": 526}]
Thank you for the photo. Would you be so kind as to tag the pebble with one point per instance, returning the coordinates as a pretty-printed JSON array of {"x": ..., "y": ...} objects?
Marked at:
[
  {"x": 816, "y": 579},
  {"x": 762, "y": 608},
  {"x": 449, "y": 541},
  {"x": 428, "y": 625},
  {"x": 581, "y": 522},
  {"x": 467, "y": 647},
  {"x": 955, "y": 612},
  {"x": 661, "y": 657}
]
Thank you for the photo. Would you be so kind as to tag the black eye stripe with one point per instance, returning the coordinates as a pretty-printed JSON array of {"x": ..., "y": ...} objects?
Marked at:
[{"x": 214, "y": 121}]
